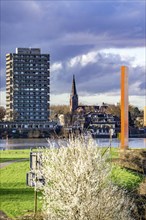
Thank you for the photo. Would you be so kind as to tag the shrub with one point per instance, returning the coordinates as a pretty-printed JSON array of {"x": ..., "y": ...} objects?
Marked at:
[{"x": 78, "y": 185}]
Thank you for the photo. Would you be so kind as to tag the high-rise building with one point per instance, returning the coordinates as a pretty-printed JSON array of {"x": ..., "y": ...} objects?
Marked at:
[
  {"x": 73, "y": 97},
  {"x": 27, "y": 85}
]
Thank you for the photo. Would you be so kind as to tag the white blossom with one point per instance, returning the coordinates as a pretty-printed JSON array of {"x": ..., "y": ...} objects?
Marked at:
[{"x": 78, "y": 185}]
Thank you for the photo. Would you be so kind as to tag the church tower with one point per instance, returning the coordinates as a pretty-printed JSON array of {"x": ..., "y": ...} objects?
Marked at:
[{"x": 73, "y": 97}]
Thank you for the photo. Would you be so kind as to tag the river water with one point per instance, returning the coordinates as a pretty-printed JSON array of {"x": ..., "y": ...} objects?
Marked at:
[{"x": 34, "y": 143}]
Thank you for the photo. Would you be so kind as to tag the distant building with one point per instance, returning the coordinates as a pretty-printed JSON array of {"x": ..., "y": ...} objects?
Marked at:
[
  {"x": 100, "y": 123},
  {"x": 92, "y": 117},
  {"x": 73, "y": 97},
  {"x": 89, "y": 108},
  {"x": 27, "y": 85}
]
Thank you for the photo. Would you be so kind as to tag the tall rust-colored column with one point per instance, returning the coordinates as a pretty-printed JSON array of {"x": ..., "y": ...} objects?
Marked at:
[{"x": 124, "y": 108}]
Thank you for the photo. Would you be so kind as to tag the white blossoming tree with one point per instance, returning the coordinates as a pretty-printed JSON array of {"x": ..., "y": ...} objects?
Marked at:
[{"x": 78, "y": 185}]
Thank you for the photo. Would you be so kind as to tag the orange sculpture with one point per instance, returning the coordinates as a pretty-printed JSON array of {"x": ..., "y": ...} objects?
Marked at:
[{"x": 124, "y": 108}]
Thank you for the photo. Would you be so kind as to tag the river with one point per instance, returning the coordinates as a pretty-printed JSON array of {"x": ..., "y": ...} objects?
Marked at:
[{"x": 35, "y": 142}]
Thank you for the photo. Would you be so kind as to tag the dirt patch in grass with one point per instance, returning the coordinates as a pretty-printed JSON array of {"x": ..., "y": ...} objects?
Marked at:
[
  {"x": 135, "y": 160},
  {"x": 3, "y": 216},
  {"x": 37, "y": 216}
]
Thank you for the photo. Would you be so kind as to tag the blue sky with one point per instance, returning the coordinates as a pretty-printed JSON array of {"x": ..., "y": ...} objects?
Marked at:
[{"x": 90, "y": 39}]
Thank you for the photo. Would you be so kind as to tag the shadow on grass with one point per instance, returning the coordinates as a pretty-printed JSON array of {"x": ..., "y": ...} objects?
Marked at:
[
  {"x": 2, "y": 160},
  {"x": 24, "y": 194},
  {"x": 16, "y": 191}
]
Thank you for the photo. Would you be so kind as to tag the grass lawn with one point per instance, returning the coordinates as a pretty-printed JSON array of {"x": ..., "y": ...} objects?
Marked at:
[
  {"x": 114, "y": 152},
  {"x": 8, "y": 155},
  {"x": 125, "y": 178},
  {"x": 16, "y": 198}
]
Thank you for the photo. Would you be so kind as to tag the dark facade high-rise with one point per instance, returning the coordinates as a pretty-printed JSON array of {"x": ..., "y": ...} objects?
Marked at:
[
  {"x": 27, "y": 85},
  {"x": 73, "y": 97}
]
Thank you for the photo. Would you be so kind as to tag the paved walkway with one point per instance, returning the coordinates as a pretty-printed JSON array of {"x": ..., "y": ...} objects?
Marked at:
[{"x": 4, "y": 164}]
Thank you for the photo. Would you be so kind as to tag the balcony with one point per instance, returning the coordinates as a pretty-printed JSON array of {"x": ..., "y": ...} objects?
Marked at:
[{"x": 8, "y": 57}]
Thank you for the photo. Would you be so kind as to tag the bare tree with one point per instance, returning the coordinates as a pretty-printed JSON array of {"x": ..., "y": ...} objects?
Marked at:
[
  {"x": 59, "y": 109},
  {"x": 114, "y": 110},
  {"x": 2, "y": 113}
]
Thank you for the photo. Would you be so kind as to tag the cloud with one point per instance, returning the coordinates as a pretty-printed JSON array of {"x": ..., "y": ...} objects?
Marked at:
[
  {"x": 24, "y": 10},
  {"x": 90, "y": 39},
  {"x": 98, "y": 72},
  {"x": 2, "y": 98},
  {"x": 2, "y": 79},
  {"x": 101, "y": 24},
  {"x": 56, "y": 67}
]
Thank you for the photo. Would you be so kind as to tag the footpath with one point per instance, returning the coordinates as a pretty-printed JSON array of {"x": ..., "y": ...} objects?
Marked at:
[{"x": 4, "y": 164}]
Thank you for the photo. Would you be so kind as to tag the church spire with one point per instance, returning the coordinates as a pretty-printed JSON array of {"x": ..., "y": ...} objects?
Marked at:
[
  {"x": 73, "y": 97},
  {"x": 74, "y": 91}
]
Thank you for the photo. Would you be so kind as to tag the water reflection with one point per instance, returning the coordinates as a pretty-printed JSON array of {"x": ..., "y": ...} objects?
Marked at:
[
  {"x": 22, "y": 143},
  {"x": 32, "y": 143},
  {"x": 133, "y": 142}
]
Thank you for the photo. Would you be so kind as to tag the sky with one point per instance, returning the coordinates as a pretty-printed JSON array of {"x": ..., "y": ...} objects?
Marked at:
[{"x": 90, "y": 39}]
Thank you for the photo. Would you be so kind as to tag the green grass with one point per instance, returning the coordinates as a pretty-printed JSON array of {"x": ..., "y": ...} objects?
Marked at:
[
  {"x": 16, "y": 198},
  {"x": 8, "y": 155},
  {"x": 125, "y": 178},
  {"x": 114, "y": 152}
]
